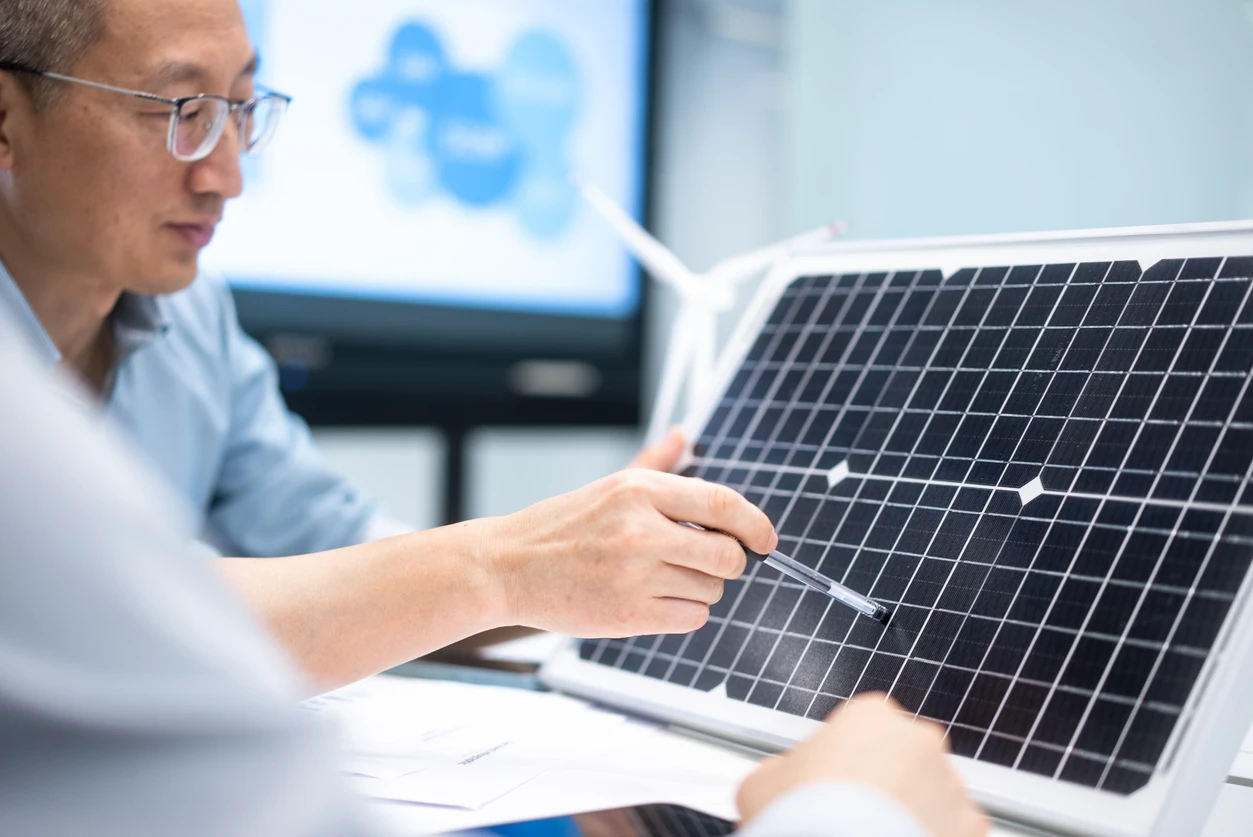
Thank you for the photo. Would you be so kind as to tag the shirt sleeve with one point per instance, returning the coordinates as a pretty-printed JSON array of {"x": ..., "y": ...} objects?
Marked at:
[
  {"x": 833, "y": 810},
  {"x": 136, "y": 697},
  {"x": 276, "y": 494}
]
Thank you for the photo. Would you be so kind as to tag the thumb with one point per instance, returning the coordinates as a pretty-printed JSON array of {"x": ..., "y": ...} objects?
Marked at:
[{"x": 662, "y": 456}]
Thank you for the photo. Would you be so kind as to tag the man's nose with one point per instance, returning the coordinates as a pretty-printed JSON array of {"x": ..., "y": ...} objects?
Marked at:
[{"x": 219, "y": 173}]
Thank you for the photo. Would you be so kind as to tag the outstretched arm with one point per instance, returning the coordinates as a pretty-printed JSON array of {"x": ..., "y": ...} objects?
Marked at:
[{"x": 605, "y": 560}]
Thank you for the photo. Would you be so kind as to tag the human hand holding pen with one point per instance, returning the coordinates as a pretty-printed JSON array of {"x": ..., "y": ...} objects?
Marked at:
[
  {"x": 608, "y": 560},
  {"x": 870, "y": 741}
]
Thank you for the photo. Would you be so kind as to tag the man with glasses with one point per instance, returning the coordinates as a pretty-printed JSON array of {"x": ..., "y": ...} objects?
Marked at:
[{"x": 121, "y": 127}]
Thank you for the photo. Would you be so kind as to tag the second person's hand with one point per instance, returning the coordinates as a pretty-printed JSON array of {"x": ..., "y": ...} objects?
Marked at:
[{"x": 870, "y": 741}]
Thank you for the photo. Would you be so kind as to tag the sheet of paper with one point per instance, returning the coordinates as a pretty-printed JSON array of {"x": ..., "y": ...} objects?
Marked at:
[
  {"x": 453, "y": 744},
  {"x": 470, "y": 782},
  {"x": 640, "y": 765},
  {"x": 407, "y": 739}
]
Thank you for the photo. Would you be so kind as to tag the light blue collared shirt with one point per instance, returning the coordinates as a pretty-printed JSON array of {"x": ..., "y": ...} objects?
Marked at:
[{"x": 200, "y": 400}]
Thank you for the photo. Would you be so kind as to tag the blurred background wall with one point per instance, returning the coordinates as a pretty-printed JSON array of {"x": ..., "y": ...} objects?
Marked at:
[{"x": 907, "y": 117}]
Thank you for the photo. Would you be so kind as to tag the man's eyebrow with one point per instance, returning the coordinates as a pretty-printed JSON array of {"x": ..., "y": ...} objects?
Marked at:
[
  {"x": 177, "y": 72},
  {"x": 183, "y": 72}
]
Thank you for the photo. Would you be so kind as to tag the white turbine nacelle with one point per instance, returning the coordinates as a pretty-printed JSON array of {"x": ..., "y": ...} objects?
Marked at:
[{"x": 691, "y": 356}]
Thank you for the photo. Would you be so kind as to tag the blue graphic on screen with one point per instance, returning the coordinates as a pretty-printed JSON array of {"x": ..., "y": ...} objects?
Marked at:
[{"x": 485, "y": 140}]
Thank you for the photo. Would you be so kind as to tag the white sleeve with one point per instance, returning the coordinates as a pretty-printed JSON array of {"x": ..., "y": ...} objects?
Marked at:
[
  {"x": 833, "y": 809},
  {"x": 136, "y": 695}
]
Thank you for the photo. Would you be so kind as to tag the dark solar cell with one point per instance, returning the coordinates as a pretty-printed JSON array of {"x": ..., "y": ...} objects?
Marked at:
[{"x": 1057, "y": 631}]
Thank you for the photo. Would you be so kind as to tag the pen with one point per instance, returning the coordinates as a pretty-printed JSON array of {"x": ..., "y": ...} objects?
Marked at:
[{"x": 792, "y": 568}]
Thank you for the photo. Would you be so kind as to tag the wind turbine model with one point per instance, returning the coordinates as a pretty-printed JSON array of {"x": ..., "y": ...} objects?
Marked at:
[{"x": 692, "y": 352}]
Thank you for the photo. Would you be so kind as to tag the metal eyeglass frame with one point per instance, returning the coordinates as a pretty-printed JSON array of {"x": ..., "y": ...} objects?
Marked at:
[{"x": 239, "y": 109}]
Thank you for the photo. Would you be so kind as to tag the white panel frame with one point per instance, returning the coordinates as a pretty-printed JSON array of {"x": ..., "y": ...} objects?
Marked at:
[{"x": 1177, "y": 800}]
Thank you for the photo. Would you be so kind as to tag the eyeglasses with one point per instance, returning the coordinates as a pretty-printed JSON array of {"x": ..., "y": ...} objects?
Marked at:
[{"x": 198, "y": 122}]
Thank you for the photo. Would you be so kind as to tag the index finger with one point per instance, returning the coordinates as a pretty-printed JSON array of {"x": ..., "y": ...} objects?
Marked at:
[{"x": 715, "y": 506}]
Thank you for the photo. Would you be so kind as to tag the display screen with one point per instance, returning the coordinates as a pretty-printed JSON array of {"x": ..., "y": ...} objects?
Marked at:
[{"x": 427, "y": 153}]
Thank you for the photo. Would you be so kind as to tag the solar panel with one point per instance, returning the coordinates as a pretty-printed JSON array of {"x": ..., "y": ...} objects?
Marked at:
[{"x": 1041, "y": 468}]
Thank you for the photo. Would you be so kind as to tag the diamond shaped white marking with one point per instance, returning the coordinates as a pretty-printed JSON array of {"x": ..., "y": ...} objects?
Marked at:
[
  {"x": 1031, "y": 490},
  {"x": 720, "y": 690},
  {"x": 837, "y": 475}
]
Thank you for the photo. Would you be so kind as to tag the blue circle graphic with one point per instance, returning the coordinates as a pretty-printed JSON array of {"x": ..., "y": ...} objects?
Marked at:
[{"x": 483, "y": 139}]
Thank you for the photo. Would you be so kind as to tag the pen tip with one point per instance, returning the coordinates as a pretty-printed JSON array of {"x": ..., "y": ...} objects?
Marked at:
[{"x": 884, "y": 617}]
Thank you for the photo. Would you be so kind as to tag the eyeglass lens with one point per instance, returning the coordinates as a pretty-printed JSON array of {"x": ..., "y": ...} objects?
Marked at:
[
  {"x": 199, "y": 125},
  {"x": 260, "y": 122}
]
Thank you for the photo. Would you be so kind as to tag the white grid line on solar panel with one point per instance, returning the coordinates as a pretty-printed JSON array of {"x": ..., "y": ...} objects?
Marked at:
[
  {"x": 1045, "y": 492},
  {"x": 1109, "y": 527},
  {"x": 1081, "y": 724},
  {"x": 841, "y": 474},
  {"x": 967, "y": 489}
]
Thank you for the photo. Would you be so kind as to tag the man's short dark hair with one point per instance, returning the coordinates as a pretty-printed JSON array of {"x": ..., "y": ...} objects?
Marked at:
[{"x": 49, "y": 35}]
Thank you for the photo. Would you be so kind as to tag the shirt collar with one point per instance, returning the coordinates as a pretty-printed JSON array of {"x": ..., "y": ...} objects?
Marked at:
[{"x": 137, "y": 320}]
